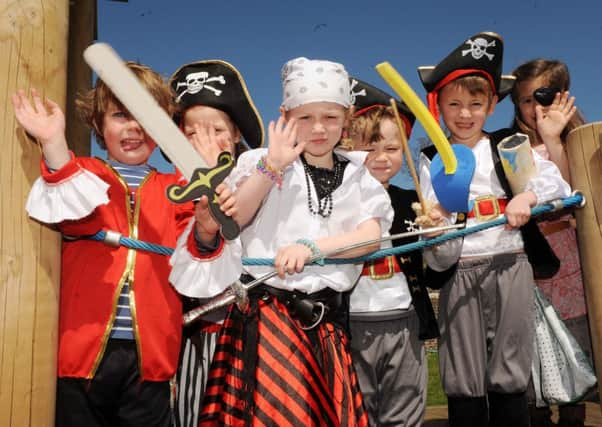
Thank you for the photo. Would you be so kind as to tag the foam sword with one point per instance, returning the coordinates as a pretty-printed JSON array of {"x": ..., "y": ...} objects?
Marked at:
[{"x": 154, "y": 120}]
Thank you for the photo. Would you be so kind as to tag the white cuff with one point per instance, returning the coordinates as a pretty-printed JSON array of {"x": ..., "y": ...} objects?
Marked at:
[
  {"x": 72, "y": 199},
  {"x": 204, "y": 278}
]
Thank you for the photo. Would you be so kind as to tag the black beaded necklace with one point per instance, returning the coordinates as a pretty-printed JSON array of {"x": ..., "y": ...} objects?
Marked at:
[{"x": 325, "y": 182}]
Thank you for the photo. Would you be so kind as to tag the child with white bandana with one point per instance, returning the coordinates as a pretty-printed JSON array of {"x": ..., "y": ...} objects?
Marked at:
[{"x": 286, "y": 358}]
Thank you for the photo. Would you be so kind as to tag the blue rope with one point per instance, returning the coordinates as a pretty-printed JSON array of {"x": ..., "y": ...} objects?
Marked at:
[{"x": 574, "y": 200}]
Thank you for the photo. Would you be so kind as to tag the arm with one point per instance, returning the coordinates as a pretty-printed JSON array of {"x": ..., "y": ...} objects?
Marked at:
[
  {"x": 282, "y": 151},
  {"x": 292, "y": 258},
  {"x": 45, "y": 122}
]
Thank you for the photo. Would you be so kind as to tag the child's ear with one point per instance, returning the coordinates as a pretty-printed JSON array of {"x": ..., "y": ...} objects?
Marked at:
[{"x": 492, "y": 105}]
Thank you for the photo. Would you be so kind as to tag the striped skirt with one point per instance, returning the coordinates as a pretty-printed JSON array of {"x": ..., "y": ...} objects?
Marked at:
[{"x": 267, "y": 371}]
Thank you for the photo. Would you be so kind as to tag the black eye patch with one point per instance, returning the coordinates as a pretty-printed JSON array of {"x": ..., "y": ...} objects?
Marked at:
[{"x": 545, "y": 95}]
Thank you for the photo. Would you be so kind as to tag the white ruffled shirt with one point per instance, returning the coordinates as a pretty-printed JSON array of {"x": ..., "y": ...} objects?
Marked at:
[
  {"x": 284, "y": 217},
  {"x": 547, "y": 185}
]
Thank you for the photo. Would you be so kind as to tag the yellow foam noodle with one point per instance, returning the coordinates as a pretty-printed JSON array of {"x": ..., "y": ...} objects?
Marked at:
[{"x": 423, "y": 115}]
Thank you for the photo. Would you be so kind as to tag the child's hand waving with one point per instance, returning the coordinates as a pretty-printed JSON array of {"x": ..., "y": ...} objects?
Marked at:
[
  {"x": 207, "y": 143},
  {"x": 552, "y": 120},
  {"x": 283, "y": 148}
]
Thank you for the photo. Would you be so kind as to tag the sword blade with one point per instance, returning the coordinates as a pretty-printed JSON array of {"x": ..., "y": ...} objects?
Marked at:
[{"x": 142, "y": 106}]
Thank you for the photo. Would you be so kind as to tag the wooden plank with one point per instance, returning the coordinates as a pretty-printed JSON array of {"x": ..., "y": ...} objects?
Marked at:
[
  {"x": 33, "y": 45},
  {"x": 585, "y": 162}
]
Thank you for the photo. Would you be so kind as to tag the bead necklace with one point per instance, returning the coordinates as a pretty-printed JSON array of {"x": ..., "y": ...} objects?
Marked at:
[{"x": 325, "y": 182}]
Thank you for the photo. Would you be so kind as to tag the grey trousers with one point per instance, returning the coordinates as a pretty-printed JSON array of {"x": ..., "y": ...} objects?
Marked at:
[
  {"x": 391, "y": 369},
  {"x": 486, "y": 325}
]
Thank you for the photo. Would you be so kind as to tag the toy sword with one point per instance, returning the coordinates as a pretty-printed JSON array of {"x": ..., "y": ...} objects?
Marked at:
[{"x": 144, "y": 108}]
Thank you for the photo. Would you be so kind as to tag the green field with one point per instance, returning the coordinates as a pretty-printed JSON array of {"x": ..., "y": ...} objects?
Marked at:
[{"x": 435, "y": 396}]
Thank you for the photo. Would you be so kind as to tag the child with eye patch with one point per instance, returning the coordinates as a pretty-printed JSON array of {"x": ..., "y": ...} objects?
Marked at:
[{"x": 545, "y": 111}]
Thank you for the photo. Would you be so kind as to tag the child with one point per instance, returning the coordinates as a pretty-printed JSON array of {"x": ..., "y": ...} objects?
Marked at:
[
  {"x": 120, "y": 320},
  {"x": 284, "y": 358},
  {"x": 485, "y": 308},
  {"x": 547, "y": 124},
  {"x": 219, "y": 113},
  {"x": 390, "y": 310}
]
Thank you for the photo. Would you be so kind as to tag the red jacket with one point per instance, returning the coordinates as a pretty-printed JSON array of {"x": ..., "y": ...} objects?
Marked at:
[{"x": 93, "y": 274}]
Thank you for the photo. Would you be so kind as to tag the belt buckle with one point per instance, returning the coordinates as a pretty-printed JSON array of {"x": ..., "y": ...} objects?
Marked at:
[
  {"x": 375, "y": 276},
  {"x": 486, "y": 217}
]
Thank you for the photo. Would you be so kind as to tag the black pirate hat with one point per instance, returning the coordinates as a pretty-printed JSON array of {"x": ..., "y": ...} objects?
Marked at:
[
  {"x": 218, "y": 84},
  {"x": 366, "y": 97},
  {"x": 481, "y": 54}
]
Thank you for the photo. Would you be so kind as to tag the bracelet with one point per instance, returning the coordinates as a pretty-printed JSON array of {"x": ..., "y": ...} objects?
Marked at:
[
  {"x": 265, "y": 168},
  {"x": 315, "y": 250}
]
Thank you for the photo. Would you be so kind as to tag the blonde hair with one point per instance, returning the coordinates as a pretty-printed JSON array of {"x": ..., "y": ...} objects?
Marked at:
[
  {"x": 93, "y": 104},
  {"x": 367, "y": 126}
]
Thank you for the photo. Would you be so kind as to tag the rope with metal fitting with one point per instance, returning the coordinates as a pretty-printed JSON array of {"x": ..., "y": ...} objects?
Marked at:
[{"x": 115, "y": 239}]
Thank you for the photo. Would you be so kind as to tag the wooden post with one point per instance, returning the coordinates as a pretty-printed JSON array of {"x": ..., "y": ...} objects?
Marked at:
[
  {"x": 585, "y": 162},
  {"x": 34, "y": 51}
]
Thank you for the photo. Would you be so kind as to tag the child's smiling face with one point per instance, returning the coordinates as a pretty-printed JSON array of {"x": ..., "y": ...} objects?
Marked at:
[{"x": 464, "y": 113}]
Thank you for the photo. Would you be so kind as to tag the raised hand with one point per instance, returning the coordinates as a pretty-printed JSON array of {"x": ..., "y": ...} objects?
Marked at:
[
  {"x": 552, "y": 120},
  {"x": 208, "y": 144},
  {"x": 283, "y": 148},
  {"x": 45, "y": 122}
]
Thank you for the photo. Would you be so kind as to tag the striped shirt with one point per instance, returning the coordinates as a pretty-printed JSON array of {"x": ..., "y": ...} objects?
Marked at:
[{"x": 133, "y": 176}]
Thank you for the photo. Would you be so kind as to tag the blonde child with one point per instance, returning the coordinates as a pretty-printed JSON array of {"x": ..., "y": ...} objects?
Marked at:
[
  {"x": 547, "y": 122},
  {"x": 212, "y": 120},
  {"x": 486, "y": 306},
  {"x": 390, "y": 310},
  {"x": 285, "y": 357},
  {"x": 120, "y": 320}
]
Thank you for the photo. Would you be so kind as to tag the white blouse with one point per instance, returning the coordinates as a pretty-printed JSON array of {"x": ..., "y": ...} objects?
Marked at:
[{"x": 284, "y": 217}]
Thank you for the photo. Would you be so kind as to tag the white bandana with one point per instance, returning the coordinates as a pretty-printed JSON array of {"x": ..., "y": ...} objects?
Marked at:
[{"x": 312, "y": 80}]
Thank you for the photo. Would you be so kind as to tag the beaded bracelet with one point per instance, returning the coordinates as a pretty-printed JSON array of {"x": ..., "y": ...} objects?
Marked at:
[
  {"x": 275, "y": 175},
  {"x": 315, "y": 250}
]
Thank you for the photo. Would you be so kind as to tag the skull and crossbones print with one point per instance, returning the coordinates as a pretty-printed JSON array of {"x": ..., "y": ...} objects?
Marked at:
[
  {"x": 195, "y": 82},
  {"x": 362, "y": 92},
  {"x": 478, "y": 48}
]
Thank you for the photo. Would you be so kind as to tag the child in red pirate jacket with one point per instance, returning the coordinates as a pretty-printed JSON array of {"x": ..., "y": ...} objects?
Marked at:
[
  {"x": 486, "y": 303},
  {"x": 390, "y": 310},
  {"x": 120, "y": 319}
]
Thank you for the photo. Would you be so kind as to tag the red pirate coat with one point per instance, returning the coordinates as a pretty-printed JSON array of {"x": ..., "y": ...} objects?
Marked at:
[{"x": 93, "y": 273}]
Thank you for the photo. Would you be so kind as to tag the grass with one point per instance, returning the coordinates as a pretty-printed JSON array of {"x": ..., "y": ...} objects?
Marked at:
[{"x": 435, "y": 396}]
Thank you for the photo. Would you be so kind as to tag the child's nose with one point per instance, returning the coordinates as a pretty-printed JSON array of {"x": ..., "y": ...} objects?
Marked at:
[
  {"x": 318, "y": 126},
  {"x": 465, "y": 112}
]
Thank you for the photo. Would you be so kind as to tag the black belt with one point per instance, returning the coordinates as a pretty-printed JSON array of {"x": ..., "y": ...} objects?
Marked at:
[{"x": 309, "y": 309}]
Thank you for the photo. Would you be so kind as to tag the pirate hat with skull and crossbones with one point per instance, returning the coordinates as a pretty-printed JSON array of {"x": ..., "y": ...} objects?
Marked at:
[
  {"x": 218, "y": 84},
  {"x": 481, "y": 54},
  {"x": 366, "y": 97}
]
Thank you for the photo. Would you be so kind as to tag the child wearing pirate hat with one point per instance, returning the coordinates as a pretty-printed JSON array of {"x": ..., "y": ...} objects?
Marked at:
[
  {"x": 390, "y": 311},
  {"x": 214, "y": 109},
  {"x": 486, "y": 303}
]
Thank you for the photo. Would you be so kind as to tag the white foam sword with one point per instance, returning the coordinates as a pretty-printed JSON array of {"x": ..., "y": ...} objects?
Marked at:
[{"x": 156, "y": 122}]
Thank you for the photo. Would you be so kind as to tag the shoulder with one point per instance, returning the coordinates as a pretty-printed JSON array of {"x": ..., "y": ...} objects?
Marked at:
[{"x": 429, "y": 151}]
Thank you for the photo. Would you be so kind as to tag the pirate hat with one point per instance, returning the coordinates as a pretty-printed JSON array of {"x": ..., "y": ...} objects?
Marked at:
[
  {"x": 481, "y": 54},
  {"x": 218, "y": 84},
  {"x": 366, "y": 97}
]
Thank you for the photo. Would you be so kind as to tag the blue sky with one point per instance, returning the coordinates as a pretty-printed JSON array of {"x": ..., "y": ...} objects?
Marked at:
[{"x": 258, "y": 37}]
